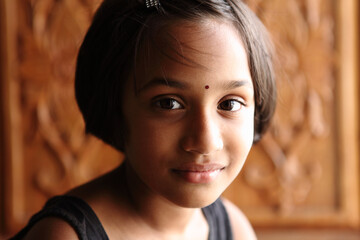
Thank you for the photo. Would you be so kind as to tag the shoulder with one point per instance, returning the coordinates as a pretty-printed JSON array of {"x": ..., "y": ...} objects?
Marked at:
[
  {"x": 51, "y": 228},
  {"x": 240, "y": 225}
]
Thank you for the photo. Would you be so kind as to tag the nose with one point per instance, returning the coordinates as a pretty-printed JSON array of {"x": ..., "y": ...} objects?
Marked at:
[{"x": 202, "y": 135}]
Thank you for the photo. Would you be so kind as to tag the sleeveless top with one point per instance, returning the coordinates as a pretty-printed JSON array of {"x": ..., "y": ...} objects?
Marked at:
[{"x": 83, "y": 219}]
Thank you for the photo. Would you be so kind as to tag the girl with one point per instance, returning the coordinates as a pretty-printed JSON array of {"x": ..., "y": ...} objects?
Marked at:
[{"x": 183, "y": 88}]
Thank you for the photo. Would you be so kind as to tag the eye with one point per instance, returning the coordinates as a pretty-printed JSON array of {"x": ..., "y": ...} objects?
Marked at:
[
  {"x": 230, "y": 105},
  {"x": 168, "y": 103}
]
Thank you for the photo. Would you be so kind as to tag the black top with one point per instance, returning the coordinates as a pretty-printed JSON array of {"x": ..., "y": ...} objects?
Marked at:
[{"x": 82, "y": 218}]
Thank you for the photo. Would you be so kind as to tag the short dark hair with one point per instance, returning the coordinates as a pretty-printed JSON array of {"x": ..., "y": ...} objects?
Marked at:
[{"x": 111, "y": 46}]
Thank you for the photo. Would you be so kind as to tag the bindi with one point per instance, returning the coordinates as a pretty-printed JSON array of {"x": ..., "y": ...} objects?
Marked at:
[{"x": 207, "y": 87}]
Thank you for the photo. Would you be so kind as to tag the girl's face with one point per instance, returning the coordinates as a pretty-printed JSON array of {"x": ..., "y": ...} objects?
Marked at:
[{"x": 191, "y": 119}]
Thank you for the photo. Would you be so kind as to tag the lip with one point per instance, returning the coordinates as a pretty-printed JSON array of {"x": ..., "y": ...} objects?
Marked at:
[{"x": 198, "y": 173}]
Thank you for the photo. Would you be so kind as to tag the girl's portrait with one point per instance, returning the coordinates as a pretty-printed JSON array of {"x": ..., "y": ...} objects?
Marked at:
[
  {"x": 183, "y": 89},
  {"x": 177, "y": 120}
]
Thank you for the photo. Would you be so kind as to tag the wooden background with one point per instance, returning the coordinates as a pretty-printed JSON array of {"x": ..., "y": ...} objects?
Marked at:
[{"x": 300, "y": 182}]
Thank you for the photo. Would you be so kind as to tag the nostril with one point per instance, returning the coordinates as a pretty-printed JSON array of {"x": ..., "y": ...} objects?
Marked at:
[
  {"x": 202, "y": 146},
  {"x": 203, "y": 133}
]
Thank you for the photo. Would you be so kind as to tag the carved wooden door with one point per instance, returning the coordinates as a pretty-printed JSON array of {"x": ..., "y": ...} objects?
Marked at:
[{"x": 304, "y": 174}]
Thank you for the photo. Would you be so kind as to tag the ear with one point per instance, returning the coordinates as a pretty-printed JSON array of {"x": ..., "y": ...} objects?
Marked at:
[
  {"x": 119, "y": 132},
  {"x": 257, "y": 137}
]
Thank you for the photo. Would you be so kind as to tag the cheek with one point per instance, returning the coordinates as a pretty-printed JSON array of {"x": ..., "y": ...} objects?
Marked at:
[
  {"x": 241, "y": 138},
  {"x": 147, "y": 139}
]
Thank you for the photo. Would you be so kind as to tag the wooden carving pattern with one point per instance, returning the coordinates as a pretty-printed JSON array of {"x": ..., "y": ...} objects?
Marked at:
[
  {"x": 57, "y": 153},
  {"x": 300, "y": 142},
  {"x": 294, "y": 164}
]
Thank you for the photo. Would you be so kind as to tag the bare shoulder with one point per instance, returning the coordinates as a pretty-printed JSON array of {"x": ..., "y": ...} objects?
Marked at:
[
  {"x": 53, "y": 229},
  {"x": 240, "y": 225}
]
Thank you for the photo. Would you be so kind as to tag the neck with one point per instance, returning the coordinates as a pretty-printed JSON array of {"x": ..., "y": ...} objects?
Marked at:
[{"x": 156, "y": 212}]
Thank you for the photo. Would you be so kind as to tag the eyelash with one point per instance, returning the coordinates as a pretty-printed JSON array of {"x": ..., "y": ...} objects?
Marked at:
[
  {"x": 232, "y": 101},
  {"x": 169, "y": 103}
]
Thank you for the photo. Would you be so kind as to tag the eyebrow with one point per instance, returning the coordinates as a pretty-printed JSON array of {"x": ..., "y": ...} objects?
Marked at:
[
  {"x": 169, "y": 82},
  {"x": 236, "y": 84}
]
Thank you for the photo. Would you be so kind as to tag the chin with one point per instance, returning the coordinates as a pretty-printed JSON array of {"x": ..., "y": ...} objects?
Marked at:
[{"x": 196, "y": 199}]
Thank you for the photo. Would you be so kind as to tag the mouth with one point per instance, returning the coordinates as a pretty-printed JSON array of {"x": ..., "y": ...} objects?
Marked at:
[{"x": 194, "y": 173}]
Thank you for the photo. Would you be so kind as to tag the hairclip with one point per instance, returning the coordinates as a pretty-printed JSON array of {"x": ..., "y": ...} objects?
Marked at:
[{"x": 152, "y": 3}]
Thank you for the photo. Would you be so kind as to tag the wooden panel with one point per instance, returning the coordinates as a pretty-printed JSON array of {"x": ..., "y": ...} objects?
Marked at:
[
  {"x": 304, "y": 173},
  {"x": 48, "y": 151},
  {"x": 10, "y": 116},
  {"x": 2, "y": 113},
  {"x": 320, "y": 234},
  {"x": 348, "y": 116}
]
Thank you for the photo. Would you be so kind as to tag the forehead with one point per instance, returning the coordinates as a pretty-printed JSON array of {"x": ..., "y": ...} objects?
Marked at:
[
  {"x": 206, "y": 46},
  {"x": 206, "y": 37},
  {"x": 202, "y": 35}
]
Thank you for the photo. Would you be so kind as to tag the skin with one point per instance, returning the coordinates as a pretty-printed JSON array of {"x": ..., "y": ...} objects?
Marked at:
[
  {"x": 177, "y": 122},
  {"x": 186, "y": 142}
]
